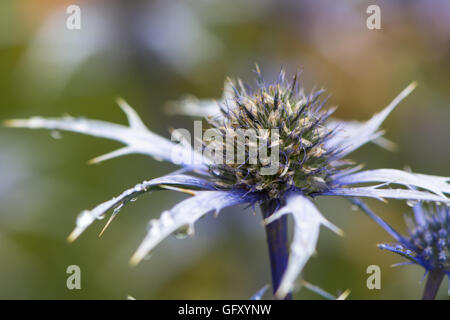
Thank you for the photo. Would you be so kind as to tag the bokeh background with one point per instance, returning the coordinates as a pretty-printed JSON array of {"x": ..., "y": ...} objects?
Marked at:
[{"x": 152, "y": 52}]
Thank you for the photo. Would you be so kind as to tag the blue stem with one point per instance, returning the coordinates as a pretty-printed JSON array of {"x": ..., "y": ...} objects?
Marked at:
[
  {"x": 277, "y": 242},
  {"x": 434, "y": 280}
]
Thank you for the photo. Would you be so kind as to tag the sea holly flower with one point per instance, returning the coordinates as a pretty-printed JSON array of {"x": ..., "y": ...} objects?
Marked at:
[
  {"x": 310, "y": 161},
  {"x": 427, "y": 243}
]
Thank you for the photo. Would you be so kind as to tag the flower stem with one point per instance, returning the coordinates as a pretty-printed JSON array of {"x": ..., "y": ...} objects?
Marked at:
[
  {"x": 434, "y": 280},
  {"x": 277, "y": 242}
]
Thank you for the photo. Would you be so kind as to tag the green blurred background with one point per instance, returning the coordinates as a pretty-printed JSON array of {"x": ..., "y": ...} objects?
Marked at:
[{"x": 152, "y": 52}]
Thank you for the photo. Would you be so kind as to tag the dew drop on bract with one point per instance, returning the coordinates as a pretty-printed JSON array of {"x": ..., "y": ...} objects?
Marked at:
[
  {"x": 166, "y": 219},
  {"x": 354, "y": 207},
  {"x": 56, "y": 134},
  {"x": 154, "y": 227},
  {"x": 184, "y": 231},
  {"x": 148, "y": 256},
  {"x": 411, "y": 203}
]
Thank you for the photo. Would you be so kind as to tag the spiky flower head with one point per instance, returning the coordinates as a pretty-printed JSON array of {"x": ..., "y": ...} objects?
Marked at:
[
  {"x": 428, "y": 242},
  {"x": 309, "y": 162},
  {"x": 288, "y": 123}
]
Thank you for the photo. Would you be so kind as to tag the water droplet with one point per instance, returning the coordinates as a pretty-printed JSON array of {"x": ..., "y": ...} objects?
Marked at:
[
  {"x": 184, "y": 231},
  {"x": 133, "y": 200},
  {"x": 56, "y": 134},
  {"x": 148, "y": 256},
  {"x": 354, "y": 207},
  {"x": 153, "y": 227},
  {"x": 411, "y": 203},
  {"x": 166, "y": 219}
]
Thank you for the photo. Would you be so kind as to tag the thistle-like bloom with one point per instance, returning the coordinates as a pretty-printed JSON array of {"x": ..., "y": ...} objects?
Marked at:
[
  {"x": 427, "y": 244},
  {"x": 310, "y": 161}
]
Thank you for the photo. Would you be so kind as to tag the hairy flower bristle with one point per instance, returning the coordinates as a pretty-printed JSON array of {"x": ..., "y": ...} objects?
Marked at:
[{"x": 298, "y": 120}]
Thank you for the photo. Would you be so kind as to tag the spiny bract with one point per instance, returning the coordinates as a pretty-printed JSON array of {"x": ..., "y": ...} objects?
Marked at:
[{"x": 303, "y": 161}]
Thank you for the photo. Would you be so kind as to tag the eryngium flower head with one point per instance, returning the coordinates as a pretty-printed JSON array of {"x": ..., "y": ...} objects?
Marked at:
[
  {"x": 311, "y": 152},
  {"x": 303, "y": 161},
  {"x": 428, "y": 242}
]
